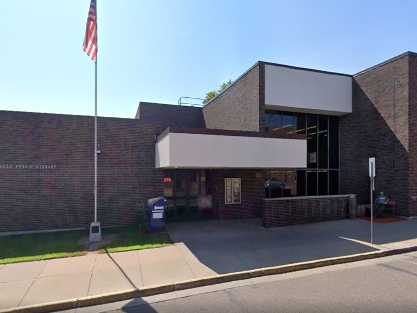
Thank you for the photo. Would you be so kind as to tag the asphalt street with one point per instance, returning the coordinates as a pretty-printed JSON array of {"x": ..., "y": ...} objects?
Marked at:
[{"x": 380, "y": 285}]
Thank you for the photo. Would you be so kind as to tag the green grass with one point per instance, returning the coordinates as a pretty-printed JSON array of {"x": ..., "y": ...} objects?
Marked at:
[
  {"x": 44, "y": 246},
  {"x": 128, "y": 239}
]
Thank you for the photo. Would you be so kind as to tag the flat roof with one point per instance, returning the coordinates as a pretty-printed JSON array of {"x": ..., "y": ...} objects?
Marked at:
[{"x": 63, "y": 114}]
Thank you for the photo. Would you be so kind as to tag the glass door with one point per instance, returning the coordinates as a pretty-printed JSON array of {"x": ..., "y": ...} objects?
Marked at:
[{"x": 182, "y": 194}]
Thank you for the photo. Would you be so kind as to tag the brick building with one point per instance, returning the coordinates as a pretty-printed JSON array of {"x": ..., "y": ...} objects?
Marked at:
[{"x": 284, "y": 143}]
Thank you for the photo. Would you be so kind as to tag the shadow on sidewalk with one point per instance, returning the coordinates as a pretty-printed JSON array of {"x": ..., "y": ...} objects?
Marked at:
[{"x": 232, "y": 246}]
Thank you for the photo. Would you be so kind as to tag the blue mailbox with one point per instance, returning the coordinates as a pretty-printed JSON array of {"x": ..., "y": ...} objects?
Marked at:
[{"x": 156, "y": 213}]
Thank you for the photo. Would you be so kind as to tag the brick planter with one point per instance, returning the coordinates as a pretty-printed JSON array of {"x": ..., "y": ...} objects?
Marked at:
[{"x": 301, "y": 210}]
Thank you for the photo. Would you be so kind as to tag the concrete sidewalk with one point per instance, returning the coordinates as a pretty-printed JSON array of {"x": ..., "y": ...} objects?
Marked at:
[
  {"x": 201, "y": 249},
  {"x": 31, "y": 283},
  {"x": 231, "y": 245}
]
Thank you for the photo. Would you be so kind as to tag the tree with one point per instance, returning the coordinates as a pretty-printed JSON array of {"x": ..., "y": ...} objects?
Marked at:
[
  {"x": 225, "y": 85},
  {"x": 213, "y": 93},
  {"x": 210, "y": 95}
]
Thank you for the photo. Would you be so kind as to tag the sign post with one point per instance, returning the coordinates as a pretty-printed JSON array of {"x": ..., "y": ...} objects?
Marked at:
[{"x": 372, "y": 188}]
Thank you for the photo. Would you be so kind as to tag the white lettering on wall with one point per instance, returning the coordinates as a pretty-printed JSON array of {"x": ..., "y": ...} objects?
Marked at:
[{"x": 28, "y": 166}]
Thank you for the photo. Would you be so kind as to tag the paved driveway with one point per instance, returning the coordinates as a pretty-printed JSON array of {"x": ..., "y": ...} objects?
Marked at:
[{"x": 230, "y": 246}]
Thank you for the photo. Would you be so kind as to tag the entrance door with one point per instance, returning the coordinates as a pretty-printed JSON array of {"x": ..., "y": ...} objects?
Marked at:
[{"x": 183, "y": 193}]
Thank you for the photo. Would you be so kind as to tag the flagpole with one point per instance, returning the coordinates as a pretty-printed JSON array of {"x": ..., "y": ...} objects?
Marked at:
[
  {"x": 95, "y": 141},
  {"x": 95, "y": 228}
]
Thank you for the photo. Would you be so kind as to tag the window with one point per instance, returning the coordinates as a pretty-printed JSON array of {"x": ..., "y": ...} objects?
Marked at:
[
  {"x": 301, "y": 124},
  {"x": 280, "y": 121},
  {"x": 232, "y": 191},
  {"x": 322, "y": 134},
  {"x": 311, "y": 183},
  {"x": 334, "y": 182},
  {"x": 323, "y": 185},
  {"x": 301, "y": 183},
  {"x": 281, "y": 183},
  {"x": 312, "y": 141},
  {"x": 333, "y": 143},
  {"x": 323, "y": 143}
]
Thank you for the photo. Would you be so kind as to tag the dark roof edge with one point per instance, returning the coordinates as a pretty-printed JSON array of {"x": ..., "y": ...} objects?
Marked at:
[
  {"x": 407, "y": 53},
  {"x": 305, "y": 69},
  {"x": 170, "y": 104},
  {"x": 233, "y": 83},
  {"x": 62, "y": 114},
  {"x": 163, "y": 104}
]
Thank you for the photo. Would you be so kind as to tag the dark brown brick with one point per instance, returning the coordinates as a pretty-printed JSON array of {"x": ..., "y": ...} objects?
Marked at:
[
  {"x": 252, "y": 188},
  {"x": 171, "y": 115},
  {"x": 34, "y": 199},
  {"x": 378, "y": 126},
  {"x": 237, "y": 108},
  {"x": 281, "y": 212}
]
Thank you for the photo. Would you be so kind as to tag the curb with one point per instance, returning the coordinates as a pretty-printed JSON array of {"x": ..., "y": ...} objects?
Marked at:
[{"x": 206, "y": 281}]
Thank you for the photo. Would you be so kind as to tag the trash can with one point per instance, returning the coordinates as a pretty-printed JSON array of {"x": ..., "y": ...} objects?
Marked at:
[{"x": 156, "y": 213}]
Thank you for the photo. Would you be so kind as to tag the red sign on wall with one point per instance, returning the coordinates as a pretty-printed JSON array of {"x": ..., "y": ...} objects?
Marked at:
[{"x": 167, "y": 180}]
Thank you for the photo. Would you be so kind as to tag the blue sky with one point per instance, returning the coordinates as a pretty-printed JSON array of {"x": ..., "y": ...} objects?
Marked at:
[{"x": 158, "y": 50}]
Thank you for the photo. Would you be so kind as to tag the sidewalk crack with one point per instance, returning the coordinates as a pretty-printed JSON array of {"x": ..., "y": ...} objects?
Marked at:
[
  {"x": 140, "y": 269},
  {"x": 31, "y": 284},
  {"x": 121, "y": 270},
  {"x": 91, "y": 275}
]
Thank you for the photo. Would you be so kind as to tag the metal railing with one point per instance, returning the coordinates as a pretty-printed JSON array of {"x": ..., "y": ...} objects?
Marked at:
[{"x": 190, "y": 101}]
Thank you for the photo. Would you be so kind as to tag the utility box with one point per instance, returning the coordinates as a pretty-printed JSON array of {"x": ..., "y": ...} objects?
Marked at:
[{"x": 156, "y": 213}]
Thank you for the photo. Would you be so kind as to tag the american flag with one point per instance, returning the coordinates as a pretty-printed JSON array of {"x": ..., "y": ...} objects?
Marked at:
[{"x": 90, "y": 39}]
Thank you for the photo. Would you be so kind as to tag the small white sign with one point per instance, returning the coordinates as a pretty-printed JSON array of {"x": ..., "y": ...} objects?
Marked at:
[
  {"x": 372, "y": 167},
  {"x": 157, "y": 215}
]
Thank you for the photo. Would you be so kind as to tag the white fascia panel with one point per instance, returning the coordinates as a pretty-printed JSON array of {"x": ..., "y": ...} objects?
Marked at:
[
  {"x": 218, "y": 151},
  {"x": 162, "y": 152},
  {"x": 301, "y": 90}
]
